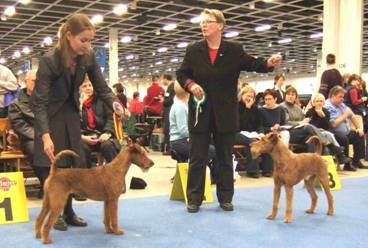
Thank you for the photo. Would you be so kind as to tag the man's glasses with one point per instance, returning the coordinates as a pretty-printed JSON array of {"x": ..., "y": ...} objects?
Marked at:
[{"x": 207, "y": 22}]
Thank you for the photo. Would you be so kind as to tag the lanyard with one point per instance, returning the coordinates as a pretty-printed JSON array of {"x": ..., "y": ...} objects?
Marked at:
[
  {"x": 118, "y": 128},
  {"x": 198, "y": 106}
]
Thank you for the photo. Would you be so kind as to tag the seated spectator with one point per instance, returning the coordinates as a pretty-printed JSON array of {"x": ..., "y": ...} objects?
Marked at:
[
  {"x": 301, "y": 129},
  {"x": 8, "y": 84},
  {"x": 98, "y": 133},
  {"x": 250, "y": 126},
  {"x": 22, "y": 120},
  {"x": 136, "y": 106},
  {"x": 179, "y": 133},
  {"x": 320, "y": 118},
  {"x": 153, "y": 102},
  {"x": 339, "y": 116},
  {"x": 273, "y": 116}
]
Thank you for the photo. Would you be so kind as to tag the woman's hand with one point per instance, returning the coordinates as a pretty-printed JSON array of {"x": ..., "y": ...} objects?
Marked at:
[
  {"x": 90, "y": 140},
  {"x": 249, "y": 102},
  {"x": 48, "y": 146},
  {"x": 197, "y": 91},
  {"x": 104, "y": 137},
  {"x": 275, "y": 127},
  {"x": 120, "y": 111}
]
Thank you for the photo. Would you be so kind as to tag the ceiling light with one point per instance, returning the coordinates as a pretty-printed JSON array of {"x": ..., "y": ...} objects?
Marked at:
[
  {"x": 126, "y": 39},
  {"x": 16, "y": 54},
  {"x": 9, "y": 11},
  {"x": 162, "y": 49},
  {"x": 252, "y": 6},
  {"x": 133, "y": 5},
  {"x": 19, "y": 72},
  {"x": 107, "y": 45},
  {"x": 182, "y": 44},
  {"x": 158, "y": 63},
  {"x": 97, "y": 19},
  {"x": 262, "y": 28},
  {"x": 121, "y": 69},
  {"x": 283, "y": 41},
  {"x": 195, "y": 19},
  {"x": 316, "y": 35},
  {"x": 3, "y": 17},
  {"x": 174, "y": 60},
  {"x": 231, "y": 34},
  {"x": 2, "y": 60},
  {"x": 158, "y": 32},
  {"x": 47, "y": 41},
  {"x": 25, "y": 2},
  {"x": 270, "y": 44},
  {"x": 169, "y": 26},
  {"x": 120, "y": 9},
  {"x": 131, "y": 56},
  {"x": 26, "y": 50}
]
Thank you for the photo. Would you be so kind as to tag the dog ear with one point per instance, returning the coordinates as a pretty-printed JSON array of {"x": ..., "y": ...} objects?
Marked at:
[{"x": 274, "y": 137}]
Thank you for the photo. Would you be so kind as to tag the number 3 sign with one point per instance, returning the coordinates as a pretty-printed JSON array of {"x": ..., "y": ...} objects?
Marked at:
[{"x": 12, "y": 198}]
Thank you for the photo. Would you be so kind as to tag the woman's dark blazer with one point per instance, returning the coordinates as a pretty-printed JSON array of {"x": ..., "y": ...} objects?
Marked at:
[
  {"x": 219, "y": 81},
  {"x": 54, "y": 87}
]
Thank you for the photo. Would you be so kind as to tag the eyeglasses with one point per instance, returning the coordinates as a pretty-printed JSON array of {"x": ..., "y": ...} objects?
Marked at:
[{"x": 207, "y": 22}]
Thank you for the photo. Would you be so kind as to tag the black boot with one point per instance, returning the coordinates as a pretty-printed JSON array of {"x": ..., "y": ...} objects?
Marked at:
[{"x": 339, "y": 153}]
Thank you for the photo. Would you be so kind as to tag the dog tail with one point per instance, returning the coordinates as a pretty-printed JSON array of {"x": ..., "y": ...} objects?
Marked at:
[
  {"x": 318, "y": 142},
  {"x": 58, "y": 157}
]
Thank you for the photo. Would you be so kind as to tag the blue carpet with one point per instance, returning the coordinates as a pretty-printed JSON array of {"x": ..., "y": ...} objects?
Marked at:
[{"x": 159, "y": 222}]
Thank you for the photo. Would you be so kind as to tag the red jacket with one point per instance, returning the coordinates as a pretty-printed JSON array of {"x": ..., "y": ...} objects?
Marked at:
[
  {"x": 150, "y": 101},
  {"x": 136, "y": 106}
]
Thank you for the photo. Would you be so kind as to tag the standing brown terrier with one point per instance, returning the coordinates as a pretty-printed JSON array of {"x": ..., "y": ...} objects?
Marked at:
[
  {"x": 290, "y": 169},
  {"x": 104, "y": 183}
]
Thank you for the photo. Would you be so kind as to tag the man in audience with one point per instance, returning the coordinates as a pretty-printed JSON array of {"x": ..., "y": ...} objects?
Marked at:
[
  {"x": 168, "y": 102},
  {"x": 153, "y": 102},
  {"x": 339, "y": 121},
  {"x": 8, "y": 84},
  {"x": 22, "y": 120}
]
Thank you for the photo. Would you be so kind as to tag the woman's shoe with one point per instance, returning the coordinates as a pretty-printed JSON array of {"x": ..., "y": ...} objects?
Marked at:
[
  {"x": 60, "y": 224},
  {"x": 74, "y": 220}
]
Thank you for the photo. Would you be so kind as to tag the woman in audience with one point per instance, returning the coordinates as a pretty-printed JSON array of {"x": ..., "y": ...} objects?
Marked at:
[
  {"x": 320, "y": 117},
  {"x": 98, "y": 132},
  {"x": 355, "y": 99},
  {"x": 250, "y": 125}
]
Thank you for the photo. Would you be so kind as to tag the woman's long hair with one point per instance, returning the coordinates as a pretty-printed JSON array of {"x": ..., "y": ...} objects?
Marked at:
[{"x": 76, "y": 24}]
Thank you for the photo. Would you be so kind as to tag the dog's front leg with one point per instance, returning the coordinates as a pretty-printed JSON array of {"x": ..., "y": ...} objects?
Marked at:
[
  {"x": 289, "y": 203},
  {"x": 113, "y": 208},
  {"x": 107, "y": 217},
  {"x": 276, "y": 198}
]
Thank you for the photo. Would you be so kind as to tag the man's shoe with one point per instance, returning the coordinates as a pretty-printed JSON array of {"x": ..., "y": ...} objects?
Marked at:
[
  {"x": 75, "y": 221},
  {"x": 349, "y": 167},
  {"x": 267, "y": 174},
  {"x": 253, "y": 174},
  {"x": 360, "y": 165},
  {"x": 227, "y": 206},
  {"x": 60, "y": 224},
  {"x": 192, "y": 208}
]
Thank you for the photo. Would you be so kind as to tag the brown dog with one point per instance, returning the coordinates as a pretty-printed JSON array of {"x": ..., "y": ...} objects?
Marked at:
[
  {"x": 104, "y": 183},
  {"x": 290, "y": 169}
]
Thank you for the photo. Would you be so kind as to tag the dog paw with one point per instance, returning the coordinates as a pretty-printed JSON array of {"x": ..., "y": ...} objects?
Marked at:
[
  {"x": 47, "y": 241},
  {"x": 330, "y": 212},
  {"x": 309, "y": 211},
  {"x": 119, "y": 231},
  {"x": 288, "y": 219},
  {"x": 271, "y": 216}
]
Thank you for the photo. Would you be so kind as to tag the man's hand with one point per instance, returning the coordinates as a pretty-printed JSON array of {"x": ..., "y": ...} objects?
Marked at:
[
  {"x": 274, "y": 60},
  {"x": 104, "y": 137}
]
